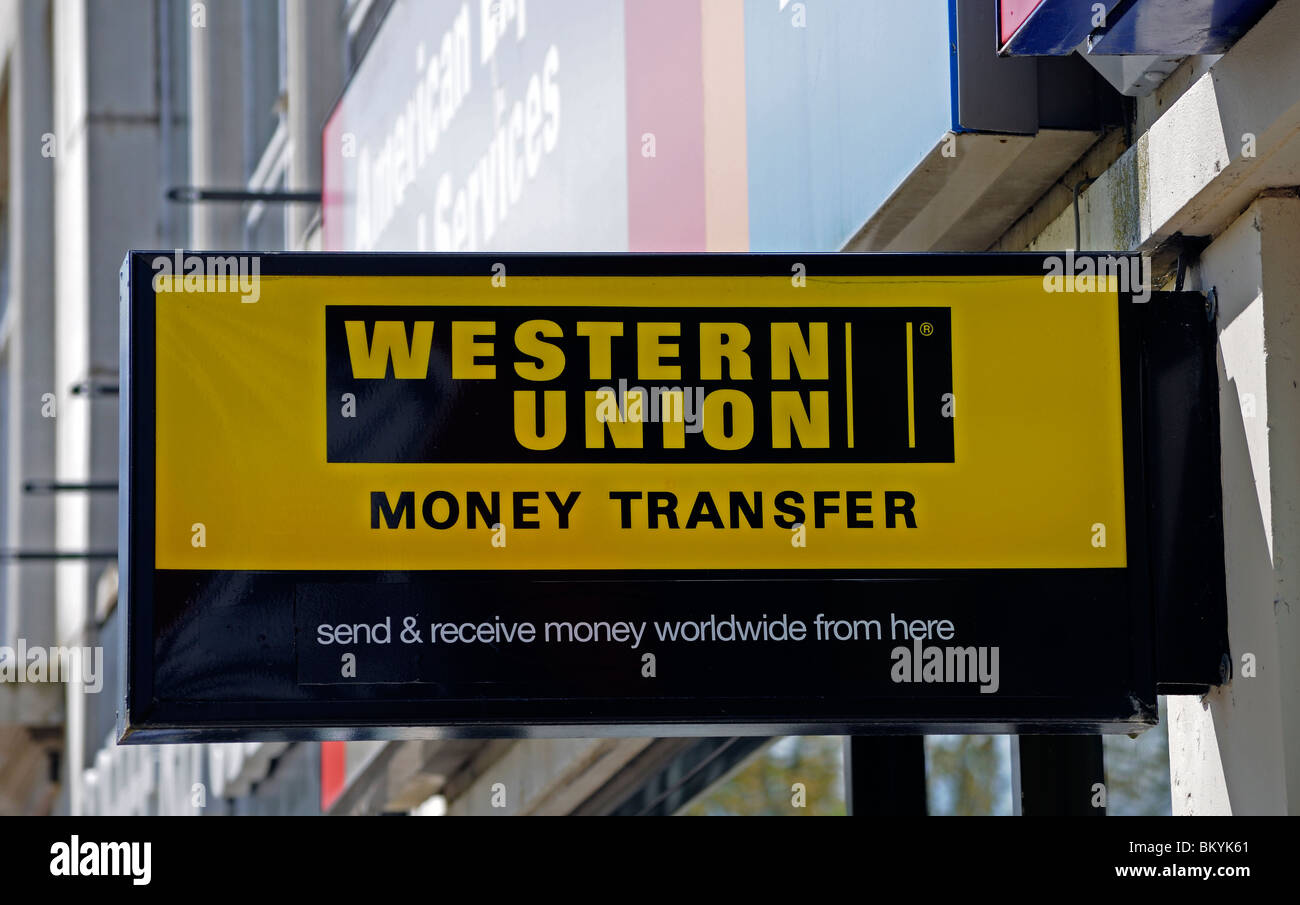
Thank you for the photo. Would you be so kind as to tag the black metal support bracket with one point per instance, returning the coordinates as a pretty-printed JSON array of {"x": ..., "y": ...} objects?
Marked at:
[
  {"x": 1058, "y": 776},
  {"x": 188, "y": 194},
  {"x": 1175, "y": 254},
  {"x": 92, "y": 387},
  {"x": 54, "y": 555},
  {"x": 884, "y": 776},
  {"x": 1181, "y": 459},
  {"x": 43, "y": 487}
]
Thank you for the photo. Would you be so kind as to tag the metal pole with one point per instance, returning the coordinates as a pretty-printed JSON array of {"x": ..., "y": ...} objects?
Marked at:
[
  {"x": 1058, "y": 776},
  {"x": 43, "y": 487},
  {"x": 53, "y": 555},
  {"x": 190, "y": 195},
  {"x": 884, "y": 776}
]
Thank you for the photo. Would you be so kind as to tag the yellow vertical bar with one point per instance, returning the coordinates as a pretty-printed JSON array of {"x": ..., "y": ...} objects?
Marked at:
[
  {"x": 848, "y": 378},
  {"x": 911, "y": 393}
]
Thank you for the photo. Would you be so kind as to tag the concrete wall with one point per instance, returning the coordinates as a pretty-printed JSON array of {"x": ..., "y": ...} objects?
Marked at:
[
  {"x": 217, "y": 122},
  {"x": 1238, "y": 751},
  {"x": 107, "y": 200},
  {"x": 29, "y": 588}
]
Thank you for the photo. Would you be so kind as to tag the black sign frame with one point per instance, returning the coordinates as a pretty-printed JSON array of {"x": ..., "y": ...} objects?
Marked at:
[{"x": 1114, "y": 689}]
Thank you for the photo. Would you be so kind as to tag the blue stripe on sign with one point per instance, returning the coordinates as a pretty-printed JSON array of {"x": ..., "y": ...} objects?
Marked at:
[{"x": 1055, "y": 28}]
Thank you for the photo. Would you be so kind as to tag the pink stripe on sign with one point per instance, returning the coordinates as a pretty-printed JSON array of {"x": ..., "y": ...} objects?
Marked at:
[
  {"x": 1012, "y": 14},
  {"x": 665, "y": 125}
]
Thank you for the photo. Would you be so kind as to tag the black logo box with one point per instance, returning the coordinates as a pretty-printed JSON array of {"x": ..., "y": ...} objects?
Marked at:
[{"x": 442, "y": 419}]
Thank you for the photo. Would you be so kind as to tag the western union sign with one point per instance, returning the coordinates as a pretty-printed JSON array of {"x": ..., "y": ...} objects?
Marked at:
[
  {"x": 351, "y": 422},
  {"x": 653, "y": 422}
]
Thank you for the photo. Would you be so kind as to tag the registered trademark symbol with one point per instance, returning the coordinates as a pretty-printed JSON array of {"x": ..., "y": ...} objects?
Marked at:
[{"x": 927, "y": 328}]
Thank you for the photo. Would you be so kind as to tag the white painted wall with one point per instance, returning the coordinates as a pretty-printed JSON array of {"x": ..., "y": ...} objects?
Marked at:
[{"x": 1238, "y": 752}]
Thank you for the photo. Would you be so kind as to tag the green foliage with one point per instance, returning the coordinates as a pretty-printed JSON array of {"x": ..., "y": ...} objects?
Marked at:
[
  {"x": 968, "y": 775},
  {"x": 765, "y": 784}
]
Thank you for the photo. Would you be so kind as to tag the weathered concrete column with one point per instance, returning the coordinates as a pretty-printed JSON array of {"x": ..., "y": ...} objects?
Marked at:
[
  {"x": 106, "y": 117},
  {"x": 29, "y": 518},
  {"x": 217, "y": 72},
  {"x": 315, "y": 77},
  {"x": 1238, "y": 751}
]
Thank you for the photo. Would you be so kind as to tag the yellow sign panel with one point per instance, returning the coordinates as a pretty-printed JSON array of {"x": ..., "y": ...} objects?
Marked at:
[{"x": 621, "y": 422}]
